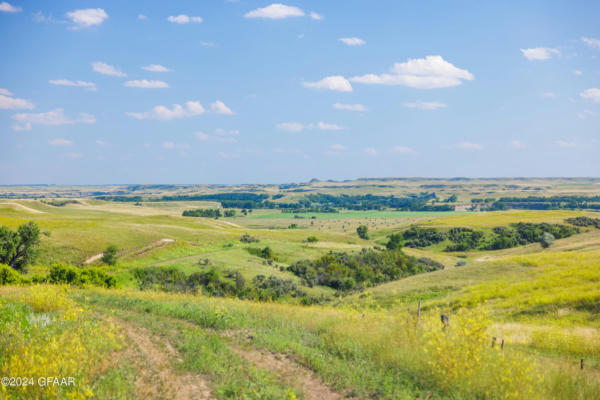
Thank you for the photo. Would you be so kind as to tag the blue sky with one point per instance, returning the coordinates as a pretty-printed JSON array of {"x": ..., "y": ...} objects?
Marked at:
[{"x": 98, "y": 92}]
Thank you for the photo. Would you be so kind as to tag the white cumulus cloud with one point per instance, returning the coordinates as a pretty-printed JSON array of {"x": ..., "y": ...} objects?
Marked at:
[
  {"x": 370, "y": 151},
  {"x": 91, "y": 86},
  {"x": 163, "y": 113},
  {"x": 55, "y": 117},
  {"x": 539, "y": 53},
  {"x": 275, "y": 11},
  {"x": 290, "y": 126},
  {"x": 106, "y": 69},
  {"x": 315, "y": 16},
  {"x": 156, "y": 68},
  {"x": 352, "y": 41},
  {"x": 145, "y": 84},
  {"x": 425, "y": 105},
  {"x": 142, "y": 16},
  {"x": 220, "y": 108},
  {"x": 469, "y": 146},
  {"x": 337, "y": 83},
  {"x": 595, "y": 43},
  {"x": 349, "y": 107},
  {"x": 592, "y": 94},
  {"x": 8, "y": 102},
  {"x": 184, "y": 19},
  {"x": 328, "y": 127},
  {"x": 422, "y": 73},
  {"x": 7, "y": 7},
  {"x": 201, "y": 136},
  {"x": 87, "y": 18}
]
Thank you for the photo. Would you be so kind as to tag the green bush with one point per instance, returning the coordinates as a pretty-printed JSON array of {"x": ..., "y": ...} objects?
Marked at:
[
  {"x": 9, "y": 276},
  {"x": 110, "y": 255},
  {"x": 70, "y": 275},
  {"x": 363, "y": 232}
]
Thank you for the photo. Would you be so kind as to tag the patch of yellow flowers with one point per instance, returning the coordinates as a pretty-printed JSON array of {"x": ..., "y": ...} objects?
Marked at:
[
  {"x": 461, "y": 355},
  {"x": 47, "y": 334}
]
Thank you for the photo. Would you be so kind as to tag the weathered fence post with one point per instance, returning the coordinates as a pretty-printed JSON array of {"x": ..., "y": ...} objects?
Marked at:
[
  {"x": 582, "y": 363},
  {"x": 419, "y": 313},
  {"x": 502, "y": 345},
  {"x": 493, "y": 341},
  {"x": 445, "y": 321}
]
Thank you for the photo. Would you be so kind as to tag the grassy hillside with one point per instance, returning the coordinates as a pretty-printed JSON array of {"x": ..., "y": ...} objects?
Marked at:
[{"x": 521, "y": 319}]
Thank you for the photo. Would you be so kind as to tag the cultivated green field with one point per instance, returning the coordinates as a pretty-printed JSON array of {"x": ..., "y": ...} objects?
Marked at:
[{"x": 522, "y": 319}]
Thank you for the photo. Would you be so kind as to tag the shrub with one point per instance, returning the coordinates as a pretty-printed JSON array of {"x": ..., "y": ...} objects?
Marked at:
[
  {"x": 110, "y": 255},
  {"x": 461, "y": 263},
  {"x": 312, "y": 239},
  {"x": 547, "y": 239},
  {"x": 248, "y": 239},
  {"x": 363, "y": 232},
  {"x": 9, "y": 276},
  {"x": 395, "y": 242},
  {"x": 64, "y": 274}
]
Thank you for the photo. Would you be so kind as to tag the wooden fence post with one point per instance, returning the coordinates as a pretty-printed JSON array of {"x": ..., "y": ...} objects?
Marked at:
[
  {"x": 582, "y": 363},
  {"x": 419, "y": 313}
]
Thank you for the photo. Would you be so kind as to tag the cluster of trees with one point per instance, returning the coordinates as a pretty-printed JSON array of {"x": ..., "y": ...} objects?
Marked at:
[
  {"x": 344, "y": 271},
  {"x": 209, "y": 213},
  {"x": 60, "y": 274},
  {"x": 502, "y": 237},
  {"x": 59, "y": 202},
  {"x": 547, "y": 203},
  {"x": 584, "y": 221},
  {"x": 464, "y": 239},
  {"x": 211, "y": 283},
  {"x": 422, "y": 237},
  {"x": 524, "y": 233},
  {"x": 18, "y": 248}
]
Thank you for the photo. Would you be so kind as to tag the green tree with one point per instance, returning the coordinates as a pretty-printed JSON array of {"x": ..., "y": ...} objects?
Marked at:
[
  {"x": 110, "y": 255},
  {"x": 267, "y": 253},
  {"x": 363, "y": 232},
  {"x": 18, "y": 249},
  {"x": 547, "y": 239},
  {"x": 395, "y": 241}
]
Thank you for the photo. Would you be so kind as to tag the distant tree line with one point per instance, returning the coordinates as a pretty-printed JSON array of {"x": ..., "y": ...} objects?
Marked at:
[
  {"x": 584, "y": 221},
  {"x": 548, "y": 203},
  {"x": 315, "y": 202}
]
